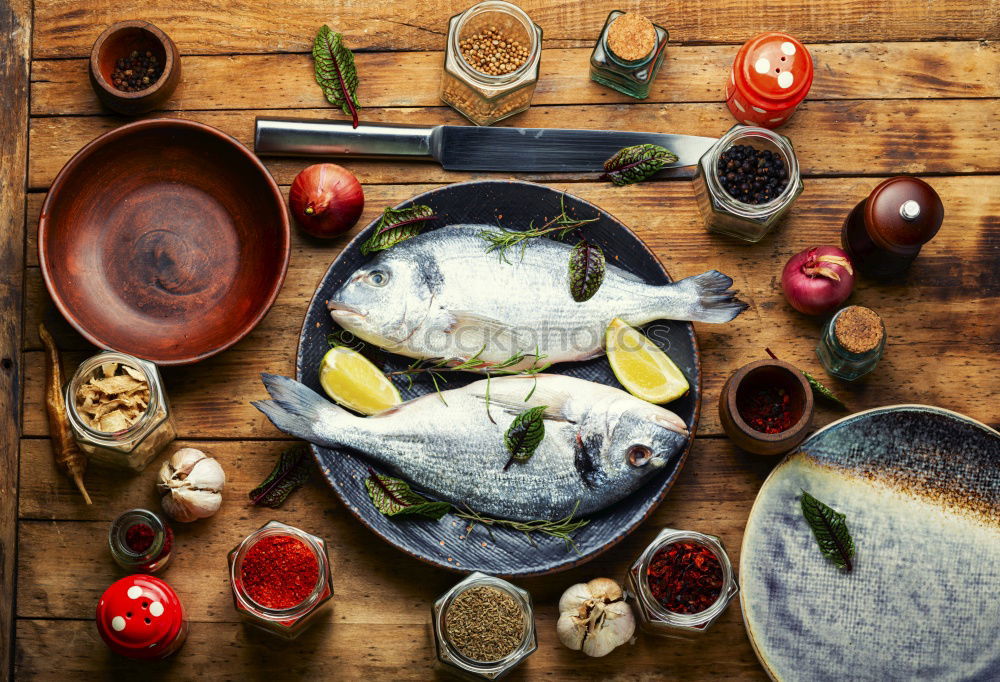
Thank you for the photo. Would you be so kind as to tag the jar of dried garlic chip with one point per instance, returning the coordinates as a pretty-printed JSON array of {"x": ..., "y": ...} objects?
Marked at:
[{"x": 118, "y": 410}]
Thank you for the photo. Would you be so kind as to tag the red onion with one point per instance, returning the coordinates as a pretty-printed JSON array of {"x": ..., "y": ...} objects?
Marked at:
[
  {"x": 326, "y": 200},
  {"x": 818, "y": 280}
]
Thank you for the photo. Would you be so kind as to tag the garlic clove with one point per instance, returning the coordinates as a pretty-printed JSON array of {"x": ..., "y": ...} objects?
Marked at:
[
  {"x": 207, "y": 474},
  {"x": 571, "y": 632},
  {"x": 574, "y": 597},
  {"x": 186, "y": 505},
  {"x": 594, "y": 618}
]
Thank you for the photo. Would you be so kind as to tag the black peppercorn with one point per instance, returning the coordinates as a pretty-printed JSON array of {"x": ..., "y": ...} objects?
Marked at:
[
  {"x": 753, "y": 176},
  {"x": 137, "y": 71}
]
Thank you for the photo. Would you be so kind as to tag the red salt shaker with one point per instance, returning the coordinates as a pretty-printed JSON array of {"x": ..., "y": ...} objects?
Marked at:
[
  {"x": 140, "y": 616},
  {"x": 771, "y": 74}
]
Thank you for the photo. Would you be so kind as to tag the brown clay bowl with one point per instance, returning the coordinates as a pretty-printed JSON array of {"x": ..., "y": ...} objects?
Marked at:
[
  {"x": 165, "y": 239},
  {"x": 119, "y": 40},
  {"x": 753, "y": 376}
]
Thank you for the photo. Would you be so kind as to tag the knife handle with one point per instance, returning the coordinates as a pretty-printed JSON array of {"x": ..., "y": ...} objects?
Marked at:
[{"x": 307, "y": 137}]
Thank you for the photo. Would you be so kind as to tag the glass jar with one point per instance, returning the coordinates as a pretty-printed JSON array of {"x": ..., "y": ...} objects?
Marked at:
[
  {"x": 631, "y": 77},
  {"x": 725, "y": 214},
  {"x": 653, "y": 617},
  {"x": 287, "y": 623},
  {"x": 480, "y": 97},
  {"x": 841, "y": 362},
  {"x": 141, "y": 541},
  {"x": 451, "y": 659},
  {"x": 133, "y": 447}
]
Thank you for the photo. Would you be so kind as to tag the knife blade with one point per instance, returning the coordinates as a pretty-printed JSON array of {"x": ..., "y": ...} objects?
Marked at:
[{"x": 469, "y": 148}]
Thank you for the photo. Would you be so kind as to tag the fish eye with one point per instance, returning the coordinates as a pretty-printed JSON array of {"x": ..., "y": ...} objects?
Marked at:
[
  {"x": 378, "y": 278},
  {"x": 639, "y": 455}
]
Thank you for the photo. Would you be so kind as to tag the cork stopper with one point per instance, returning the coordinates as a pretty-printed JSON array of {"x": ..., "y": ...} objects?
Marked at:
[
  {"x": 858, "y": 329},
  {"x": 631, "y": 37}
]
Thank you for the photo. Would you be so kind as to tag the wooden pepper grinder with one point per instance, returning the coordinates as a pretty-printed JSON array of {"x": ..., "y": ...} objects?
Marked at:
[{"x": 884, "y": 233}]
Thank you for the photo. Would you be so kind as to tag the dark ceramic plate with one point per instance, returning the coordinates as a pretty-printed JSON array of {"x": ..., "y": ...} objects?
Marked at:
[
  {"x": 511, "y": 204},
  {"x": 920, "y": 488}
]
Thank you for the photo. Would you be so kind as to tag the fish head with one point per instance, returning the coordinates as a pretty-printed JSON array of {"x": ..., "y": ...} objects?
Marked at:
[
  {"x": 643, "y": 438},
  {"x": 386, "y": 300}
]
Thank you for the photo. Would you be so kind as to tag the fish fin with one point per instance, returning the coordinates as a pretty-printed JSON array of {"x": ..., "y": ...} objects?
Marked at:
[
  {"x": 472, "y": 326},
  {"x": 712, "y": 300},
  {"x": 299, "y": 411},
  {"x": 526, "y": 396}
]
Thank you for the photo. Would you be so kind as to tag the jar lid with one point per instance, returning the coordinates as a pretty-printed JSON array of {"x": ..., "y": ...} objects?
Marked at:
[
  {"x": 139, "y": 616},
  {"x": 774, "y": 68},
  {"x": 903, "y": 212}
]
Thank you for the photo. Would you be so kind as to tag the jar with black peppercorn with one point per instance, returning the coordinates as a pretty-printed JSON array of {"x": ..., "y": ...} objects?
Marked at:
[
  {"x": 681, "y": 584},
  {"x": 491, "y": 61},
  {"x": 747, "y": 182}
]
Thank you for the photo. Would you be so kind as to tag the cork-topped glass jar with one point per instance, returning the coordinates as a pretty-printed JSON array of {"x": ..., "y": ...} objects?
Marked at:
[
  {"x": 491, "y": 61},
  {"x": 852, "y": 342},
  {"x": 628, "y": 53},
  {"x": 118, "y": 442}
]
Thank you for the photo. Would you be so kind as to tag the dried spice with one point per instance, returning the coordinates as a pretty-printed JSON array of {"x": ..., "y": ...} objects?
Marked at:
[
  {"x": 279, "y": 572},
  {"x": 767, "y": 409},
  {"x": 114, "y": 398},
  {"x": 493, "y": 52},
  {"x": 858, "y": 329},
  {"x": 485, "y": 624},
  {"x": 136, "y": 72},
  {"x": 139, "y": 537},
  {"x": 631, "y": 37},
  {"x": 753, "y": 176},
  {"x": 685, "y": 577}
]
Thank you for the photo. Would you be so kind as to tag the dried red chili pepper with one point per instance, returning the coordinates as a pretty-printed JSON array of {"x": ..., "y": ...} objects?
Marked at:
[
  {"x": 685, "y": 577},
  {"x": 767, "y": 409},
  {"x": 279, "y": 572}
]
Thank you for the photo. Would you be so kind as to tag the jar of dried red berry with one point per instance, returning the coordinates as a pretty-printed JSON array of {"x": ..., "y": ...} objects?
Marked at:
[
  {"x": 681, "y": 583},
  {"x": 140, "y": 541},
  {"x": 280, "y": 578}
]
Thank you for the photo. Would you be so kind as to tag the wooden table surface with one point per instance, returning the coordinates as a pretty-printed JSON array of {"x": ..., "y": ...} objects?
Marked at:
[{"x": 900, "y": 87}]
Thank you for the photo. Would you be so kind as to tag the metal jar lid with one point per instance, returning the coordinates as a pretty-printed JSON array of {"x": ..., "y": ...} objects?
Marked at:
[
  {"x": 774, "y": 71},
  {"x": 140, "y": 616},
  {"x": 903, "y": 212}
]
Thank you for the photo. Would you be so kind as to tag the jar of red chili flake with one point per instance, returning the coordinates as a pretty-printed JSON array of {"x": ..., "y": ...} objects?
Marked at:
[
  {"x": 140, "y": 616},
  {"x": 681, "y": 583},
  {"x": 280, "y": 577},
  {"x": 771, "y": 74},
  {"x": 141, "y": 541}
]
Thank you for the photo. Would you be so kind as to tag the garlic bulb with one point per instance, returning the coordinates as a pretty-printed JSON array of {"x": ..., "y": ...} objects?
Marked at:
[
  {"x": 594, "y": 617},
  {"x": 192, "y": 483}
]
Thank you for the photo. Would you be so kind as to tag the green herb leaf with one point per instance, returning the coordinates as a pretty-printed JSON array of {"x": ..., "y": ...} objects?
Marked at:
[
  {"x": 634, "y": 164},
  {"x": 822, "y": 391},
  {"x": 830, "y": 529},
  {"x": 289, "y": 474},
  {"x": 335, "y": 72},
  {"x": 560, "y": 528},
  {"x": 393, "y": 497},
  {"x": 586, "y": 271},
  {"x": 503, "y": 240},
  {"x": 397, "y": 225},
  {"x": 524, "y": 434}
]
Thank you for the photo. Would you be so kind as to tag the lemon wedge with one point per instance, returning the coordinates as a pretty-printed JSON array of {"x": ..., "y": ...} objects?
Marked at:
[
  {"x": 350, "y": 379},
  {"x": 641, "y": 367}
]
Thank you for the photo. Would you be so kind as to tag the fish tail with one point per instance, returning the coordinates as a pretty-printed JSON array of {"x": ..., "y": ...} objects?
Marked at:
[
  {"x": 711, "y": 298},
  {"x": 299, "y": 411}
]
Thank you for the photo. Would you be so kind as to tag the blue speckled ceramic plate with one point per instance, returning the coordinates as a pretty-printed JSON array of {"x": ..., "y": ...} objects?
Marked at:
[
  {"x": 513, "y": 205},
  {"x": 920, "y": 487}
]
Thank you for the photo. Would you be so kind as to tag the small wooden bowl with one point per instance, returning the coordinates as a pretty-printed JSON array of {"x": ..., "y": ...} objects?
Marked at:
[
  {"x": 763, "y": 373},
  {"x": 119, "y": 40},
  {"x": 165, "y": 239}
]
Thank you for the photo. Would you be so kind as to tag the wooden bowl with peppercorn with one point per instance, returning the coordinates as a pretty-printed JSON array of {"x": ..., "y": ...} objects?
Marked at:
[
  {"x": 766, "y": 407},
  {"x": 134, "y": 67}
]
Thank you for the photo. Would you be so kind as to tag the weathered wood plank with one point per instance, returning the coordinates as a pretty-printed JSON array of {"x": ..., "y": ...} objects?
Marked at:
[
  {"x": 690, "y": 74},
  {"x": 856, "y": 137},
  {"x": 15, "y": 41},
  {"x": 953, "y": 285},
  {"x": 65, "y": 29},
  {"x": 714, "y": 492}
]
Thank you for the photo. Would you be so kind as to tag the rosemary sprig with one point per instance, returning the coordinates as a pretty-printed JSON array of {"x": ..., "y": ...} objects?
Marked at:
[
  {"x": 502, "y": 240},
  {"x": 560, "y": 528}
]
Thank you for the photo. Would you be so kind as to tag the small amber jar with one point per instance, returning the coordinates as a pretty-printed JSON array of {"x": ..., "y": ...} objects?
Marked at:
[
  {"x": 481, "y": 97},
  {"x": 884, "y": 233}
]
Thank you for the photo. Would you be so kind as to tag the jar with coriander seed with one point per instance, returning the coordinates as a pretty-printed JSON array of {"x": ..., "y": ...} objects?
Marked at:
[
  {"x": 491, "y": 61},
  {"x": 484, "y": 627}
]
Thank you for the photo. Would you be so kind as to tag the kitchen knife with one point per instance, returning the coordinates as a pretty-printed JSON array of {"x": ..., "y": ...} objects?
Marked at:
[{"x": 466, "y": 147}]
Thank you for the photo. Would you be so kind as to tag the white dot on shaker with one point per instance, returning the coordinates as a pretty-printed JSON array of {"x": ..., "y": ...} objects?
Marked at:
[
  {"x": 785, "y": 79},
  {"x": 156, "y": 609},
  {"x": 788, "y": 48},
  {"x": 762, "y": 65},
  {"x": 118, "y": 623},
  {"x": 134, "y": 592}
]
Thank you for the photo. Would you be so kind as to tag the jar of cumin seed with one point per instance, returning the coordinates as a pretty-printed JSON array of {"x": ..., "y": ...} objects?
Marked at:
[{"x": 484, "y": 627}]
